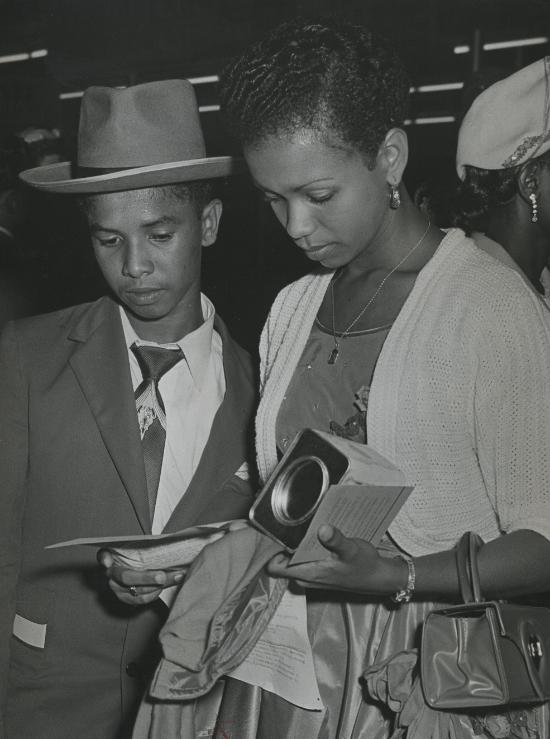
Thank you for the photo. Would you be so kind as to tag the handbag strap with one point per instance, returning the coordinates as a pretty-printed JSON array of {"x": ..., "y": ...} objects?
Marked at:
[{"x": 467, "y": 567}]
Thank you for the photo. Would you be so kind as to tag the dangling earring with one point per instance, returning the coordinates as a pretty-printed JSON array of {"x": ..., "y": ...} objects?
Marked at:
[
  {"x": 395, "y": 197},
  {"x": 534, "y": 208}
]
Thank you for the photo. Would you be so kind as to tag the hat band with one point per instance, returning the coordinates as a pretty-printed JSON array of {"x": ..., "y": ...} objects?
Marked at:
[{"x": 80, "y": 172}]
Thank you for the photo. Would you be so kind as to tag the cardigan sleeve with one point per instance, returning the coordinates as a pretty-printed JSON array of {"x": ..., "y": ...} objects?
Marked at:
[{"x": 512, "y": 411}]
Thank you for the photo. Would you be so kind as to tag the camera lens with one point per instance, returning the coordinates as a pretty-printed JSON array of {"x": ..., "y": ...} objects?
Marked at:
[{"x": 299, "y": 490}]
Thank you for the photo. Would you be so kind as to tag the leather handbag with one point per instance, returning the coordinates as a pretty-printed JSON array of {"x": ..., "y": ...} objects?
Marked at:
[{"x": 483, "y": 654}]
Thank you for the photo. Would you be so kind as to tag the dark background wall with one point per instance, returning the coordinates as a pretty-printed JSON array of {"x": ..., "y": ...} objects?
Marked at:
[{"x": 121, "y": 42}]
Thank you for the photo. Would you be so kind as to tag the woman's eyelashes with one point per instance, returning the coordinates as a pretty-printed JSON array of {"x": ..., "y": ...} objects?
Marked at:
[
  {"x": 315, "y": 198},
  {"x": 319, "y": 199}
]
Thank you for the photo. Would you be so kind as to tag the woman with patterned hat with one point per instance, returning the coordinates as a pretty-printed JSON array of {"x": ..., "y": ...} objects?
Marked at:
[{"x": 503, "y": 162}]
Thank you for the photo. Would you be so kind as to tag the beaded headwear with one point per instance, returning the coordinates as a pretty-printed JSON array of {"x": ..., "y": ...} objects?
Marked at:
[{"x": 509, "y": 122}]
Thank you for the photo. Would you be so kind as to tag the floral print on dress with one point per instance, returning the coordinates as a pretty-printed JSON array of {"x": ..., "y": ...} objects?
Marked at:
[{"x": 355, "y": 427}]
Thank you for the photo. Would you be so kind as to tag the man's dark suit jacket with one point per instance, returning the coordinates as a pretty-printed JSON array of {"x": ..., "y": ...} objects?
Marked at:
[{"x": 71, "y": 465}]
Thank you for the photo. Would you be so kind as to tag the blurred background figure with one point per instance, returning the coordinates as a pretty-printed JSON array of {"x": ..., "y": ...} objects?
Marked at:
[
  {"x": 18, "y": 269},
  {"x": 434, "y": 197}
]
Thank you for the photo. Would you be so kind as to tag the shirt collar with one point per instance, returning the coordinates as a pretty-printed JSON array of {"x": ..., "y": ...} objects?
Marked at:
[{"x": 196, "y": 346}]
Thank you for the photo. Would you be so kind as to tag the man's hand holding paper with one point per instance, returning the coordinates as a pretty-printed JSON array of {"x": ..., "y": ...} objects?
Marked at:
[
  {"x": 141, "y": 569},
  {"x": 140, "y": 574},
  {"x": 137, "y": 586}
]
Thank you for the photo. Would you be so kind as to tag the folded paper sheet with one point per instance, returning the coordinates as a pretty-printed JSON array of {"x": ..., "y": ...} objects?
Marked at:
[
  {"x": 282, "y": 660},
  {"x": 155, "y": 551}
]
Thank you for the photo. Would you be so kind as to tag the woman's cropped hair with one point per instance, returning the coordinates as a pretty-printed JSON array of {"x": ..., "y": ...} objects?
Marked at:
[{"x": 330, "y": 76}]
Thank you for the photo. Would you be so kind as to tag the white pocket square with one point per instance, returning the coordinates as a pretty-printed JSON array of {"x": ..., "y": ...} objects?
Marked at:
[{"x": 29, "y": 632}]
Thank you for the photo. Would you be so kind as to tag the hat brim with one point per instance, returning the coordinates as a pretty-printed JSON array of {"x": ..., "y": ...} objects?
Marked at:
[{"x": 58, "y": 177}]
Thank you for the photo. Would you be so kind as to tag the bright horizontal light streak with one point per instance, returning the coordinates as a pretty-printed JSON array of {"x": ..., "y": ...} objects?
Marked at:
[
  {"x": 208, "y": 108},
  {"x": 14, "y": 58},
  {"x": 204, "y": 80},
  {"x": 10, "y": 58},
  {"x": 514, "y": 44},
  {"x": 439, "y": 87},
  {"x": 431, "y": 119},
  {"x": 71, "y": 95}
]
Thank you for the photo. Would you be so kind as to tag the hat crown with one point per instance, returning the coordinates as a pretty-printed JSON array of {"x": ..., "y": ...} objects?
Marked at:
[
  {"x": 138, "y": 126},
  {"x": 509, "y": 122}
]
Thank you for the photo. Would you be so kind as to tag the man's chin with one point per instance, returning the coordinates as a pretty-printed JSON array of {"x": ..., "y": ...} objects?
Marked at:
[{"x": 144, "y": 312}]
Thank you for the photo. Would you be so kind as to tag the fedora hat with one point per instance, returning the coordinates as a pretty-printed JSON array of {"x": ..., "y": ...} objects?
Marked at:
[{"x": 135, "y": 137}]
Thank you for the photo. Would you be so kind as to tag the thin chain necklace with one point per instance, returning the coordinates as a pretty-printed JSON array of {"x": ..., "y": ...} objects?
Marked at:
[{"x": 336, "y": 351}]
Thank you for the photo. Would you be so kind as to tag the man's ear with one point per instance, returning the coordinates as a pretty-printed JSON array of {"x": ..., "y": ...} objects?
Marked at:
[
  {"x": 393, "y": 155},
  {"x": 210, "y": 220}
]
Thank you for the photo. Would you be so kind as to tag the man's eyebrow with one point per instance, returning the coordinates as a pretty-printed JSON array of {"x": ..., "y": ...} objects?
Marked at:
[{"x": 162, "y": 221}]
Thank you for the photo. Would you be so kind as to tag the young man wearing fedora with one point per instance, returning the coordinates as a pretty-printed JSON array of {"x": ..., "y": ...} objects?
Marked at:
[{"x": 129, "y": 415}]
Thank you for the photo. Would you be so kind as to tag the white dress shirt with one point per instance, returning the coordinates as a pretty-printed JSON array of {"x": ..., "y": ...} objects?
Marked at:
[{"x": 192, "y": 392}]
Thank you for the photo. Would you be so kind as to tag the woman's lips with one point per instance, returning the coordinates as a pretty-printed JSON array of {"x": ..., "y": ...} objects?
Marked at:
[{"x": 318, "y": 252}]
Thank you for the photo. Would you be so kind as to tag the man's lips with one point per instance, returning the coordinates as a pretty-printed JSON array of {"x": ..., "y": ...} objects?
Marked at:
[{"x": 143, "y": 295}]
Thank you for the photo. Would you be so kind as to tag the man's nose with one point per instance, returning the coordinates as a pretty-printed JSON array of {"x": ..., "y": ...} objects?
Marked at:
[{"x": 137, "y": 262}]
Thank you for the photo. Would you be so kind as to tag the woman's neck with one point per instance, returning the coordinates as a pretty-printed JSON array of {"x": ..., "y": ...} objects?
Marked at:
[
  {"x": 404, "y": 236},
  {"x": 525, "y": 243}
]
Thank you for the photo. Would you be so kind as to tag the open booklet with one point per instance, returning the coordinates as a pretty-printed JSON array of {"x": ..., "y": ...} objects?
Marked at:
[{"x": 172, "y": 551}]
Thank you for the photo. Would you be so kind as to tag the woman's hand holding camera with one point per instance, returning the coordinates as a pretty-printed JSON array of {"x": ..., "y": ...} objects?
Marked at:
[{"x": 351, "y": 564}]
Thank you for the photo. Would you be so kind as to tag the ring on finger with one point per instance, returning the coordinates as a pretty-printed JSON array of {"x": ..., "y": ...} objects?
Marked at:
[{"x": 133, "y": 590}]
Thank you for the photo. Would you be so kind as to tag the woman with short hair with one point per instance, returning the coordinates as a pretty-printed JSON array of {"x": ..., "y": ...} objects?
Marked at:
[{"x": 431, "y": 347}]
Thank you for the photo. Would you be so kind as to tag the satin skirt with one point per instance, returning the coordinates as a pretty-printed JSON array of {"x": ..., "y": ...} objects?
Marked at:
[
  {"x": 366, "y": 665},
  {"x": 365, "y": 656}
]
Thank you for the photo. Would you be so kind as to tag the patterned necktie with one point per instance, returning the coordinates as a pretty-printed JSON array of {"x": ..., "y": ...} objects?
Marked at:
[{"x": 154, "y": 362}]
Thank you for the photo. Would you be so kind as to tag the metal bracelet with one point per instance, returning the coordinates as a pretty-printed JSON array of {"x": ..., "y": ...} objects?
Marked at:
[{"x": 404, "y": 595}]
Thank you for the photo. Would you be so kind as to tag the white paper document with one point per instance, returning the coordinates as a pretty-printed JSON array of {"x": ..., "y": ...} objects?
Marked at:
[
  {"x": 282, "y": 660},
  {"x": 155, "y": 551}
]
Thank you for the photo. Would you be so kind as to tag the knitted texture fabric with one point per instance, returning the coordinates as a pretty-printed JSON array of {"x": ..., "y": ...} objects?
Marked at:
[{"x": 459, "y": 401}]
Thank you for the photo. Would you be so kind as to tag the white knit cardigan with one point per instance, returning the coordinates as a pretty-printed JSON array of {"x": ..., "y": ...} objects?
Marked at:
[{"x": 460, "y": 397}]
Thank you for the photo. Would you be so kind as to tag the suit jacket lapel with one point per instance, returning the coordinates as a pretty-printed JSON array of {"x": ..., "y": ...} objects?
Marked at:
[
  {"x": 100, "y": 363},
  {"x": 226, "y": 441}
]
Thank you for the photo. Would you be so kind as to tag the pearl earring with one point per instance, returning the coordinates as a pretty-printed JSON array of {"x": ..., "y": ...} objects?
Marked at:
[{"x": 534, "y": 208}]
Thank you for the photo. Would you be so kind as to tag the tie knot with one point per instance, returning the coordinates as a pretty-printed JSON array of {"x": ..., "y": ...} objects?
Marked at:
[{"x": 154, "y": 361}]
